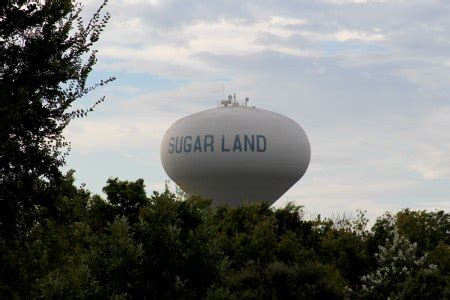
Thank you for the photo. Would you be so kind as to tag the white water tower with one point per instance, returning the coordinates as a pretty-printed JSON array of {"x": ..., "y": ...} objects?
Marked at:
[{"x": 234, "y": 153}]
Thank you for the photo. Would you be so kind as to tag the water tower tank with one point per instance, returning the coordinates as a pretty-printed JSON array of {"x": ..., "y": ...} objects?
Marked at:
[{"x": 235, "y": 154}]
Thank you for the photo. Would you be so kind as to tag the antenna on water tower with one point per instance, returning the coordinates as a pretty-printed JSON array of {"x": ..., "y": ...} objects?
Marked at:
[{"x": 233, "y": 101}]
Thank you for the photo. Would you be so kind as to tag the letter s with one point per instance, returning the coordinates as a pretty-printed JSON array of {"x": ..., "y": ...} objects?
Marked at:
[{"x": 171, "y": 145}]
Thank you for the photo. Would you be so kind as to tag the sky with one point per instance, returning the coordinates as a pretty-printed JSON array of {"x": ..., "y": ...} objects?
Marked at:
[{"x": 369, "y": 82}]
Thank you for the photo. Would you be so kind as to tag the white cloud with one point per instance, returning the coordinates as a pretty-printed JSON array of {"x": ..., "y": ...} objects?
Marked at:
[
  {"x": 432, "y": 159},
  {"x": 139, "y": 122},
  {"x": 115, "y": 133},
  {"x": 433, "y": 76},
  {"x": 358, "y": 1},
  {"x": 149, "y": 48},
  {"x": 283, "y": 21},
  {"x": 142, "y": 2},
  {"x": 345, "y": 35}
]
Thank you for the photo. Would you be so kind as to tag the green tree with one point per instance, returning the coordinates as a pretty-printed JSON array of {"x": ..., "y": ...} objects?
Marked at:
[
  {"x": 271, "y": 254},
  {"x": 426, "y": 284},
  {"x": 398, "y": 261},
  {"x": 126, "y": 197},
  {"x": 425, "y": 228},
  {"x": 46, "y": 56},
  {"x": 50, "y": 244},
  {"x": 181, "y": 256}
]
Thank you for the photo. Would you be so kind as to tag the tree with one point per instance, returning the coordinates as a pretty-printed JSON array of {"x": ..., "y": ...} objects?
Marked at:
[
  {"x": 46, "y": 56},
  {"x": 126, "y": 197},
  {"x": 397, "y": 260}
]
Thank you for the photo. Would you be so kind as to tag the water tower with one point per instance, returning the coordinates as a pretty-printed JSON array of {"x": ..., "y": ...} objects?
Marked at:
[{"x": 235, "y": 153}]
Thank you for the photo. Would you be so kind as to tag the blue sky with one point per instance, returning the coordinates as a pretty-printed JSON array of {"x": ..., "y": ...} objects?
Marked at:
[{"x": 369, "y": 81}]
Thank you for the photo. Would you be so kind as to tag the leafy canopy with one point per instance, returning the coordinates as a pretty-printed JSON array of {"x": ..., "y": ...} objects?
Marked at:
[
  {"x": 46, "y": 55},
  {"x": 45, "y": 58}
]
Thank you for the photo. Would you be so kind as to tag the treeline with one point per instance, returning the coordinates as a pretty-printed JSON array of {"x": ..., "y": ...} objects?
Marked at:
[{"x": 163, "y": 246}]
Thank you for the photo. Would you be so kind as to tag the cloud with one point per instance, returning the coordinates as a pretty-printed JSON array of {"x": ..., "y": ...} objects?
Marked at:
[
  {"x": 432, "y": 159},
  {"x": 139, "y": 122},
  {"x": 174, "y": 48},
  {"x": 341, "y": 2},
  {"x": 115, "y": 133}
]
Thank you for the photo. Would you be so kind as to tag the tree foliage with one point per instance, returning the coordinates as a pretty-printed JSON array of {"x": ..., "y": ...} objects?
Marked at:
[
  {"x": 46, "y": 56},
  {"x": 131, "y": 245}
]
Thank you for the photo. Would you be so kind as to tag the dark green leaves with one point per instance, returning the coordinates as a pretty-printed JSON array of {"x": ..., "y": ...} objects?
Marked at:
[{"x": 46, "y": 56}]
